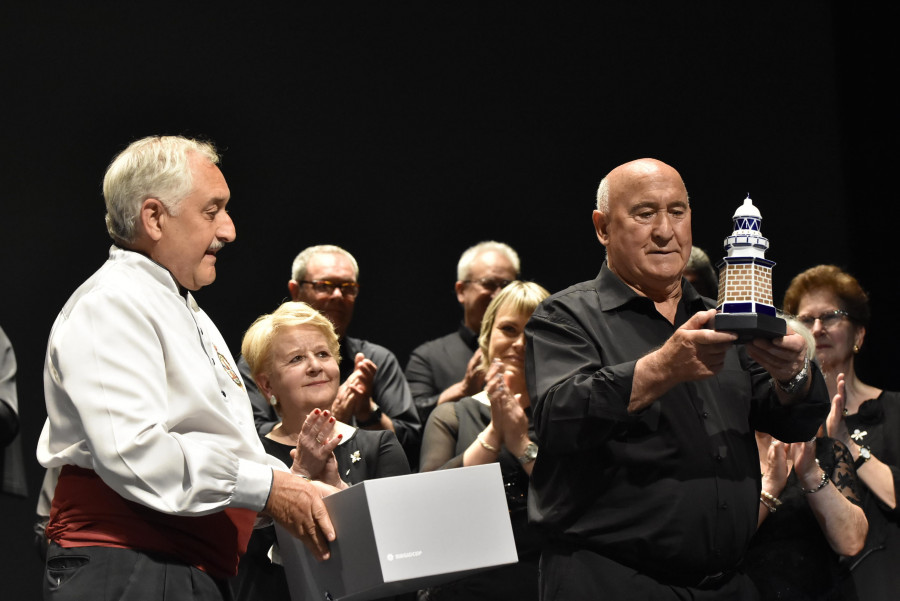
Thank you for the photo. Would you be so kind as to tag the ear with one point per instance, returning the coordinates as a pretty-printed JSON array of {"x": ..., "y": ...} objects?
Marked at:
[
  {"x": 152, "y": 217},
  {"x": 601, "y": 226},
  {"x": 294, "y": 289},
  {"x": 459, "y": 287},
  {"x": 859, "y": 336},
  {"x": 264, "y": 385}
]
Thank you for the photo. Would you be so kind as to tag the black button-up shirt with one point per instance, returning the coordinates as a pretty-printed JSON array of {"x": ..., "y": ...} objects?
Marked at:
[{"x": 672, "y": 490}]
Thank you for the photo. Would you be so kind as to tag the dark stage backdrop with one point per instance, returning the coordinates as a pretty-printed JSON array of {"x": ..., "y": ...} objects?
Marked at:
[{"x": 406, "y": 133}]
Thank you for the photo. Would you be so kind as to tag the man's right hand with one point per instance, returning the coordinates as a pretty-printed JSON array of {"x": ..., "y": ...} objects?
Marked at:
[
  {"x": 471, "y": 384},
  {"x": 297, "y": 505},
  {"x": 693, "y": 352}
]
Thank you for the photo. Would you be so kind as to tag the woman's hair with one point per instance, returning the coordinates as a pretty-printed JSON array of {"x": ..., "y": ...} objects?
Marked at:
[
  {"x": 522, "y": 297},
  {"x": 257, "y": 343},
  {"x": 844, "y": 286}
]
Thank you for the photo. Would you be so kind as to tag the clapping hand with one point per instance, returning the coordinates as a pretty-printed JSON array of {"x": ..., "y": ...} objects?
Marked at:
[
  {"x": 314, "y": 455},
  {"x": 834, "y": 423},
  {"x": 507, "y": 415},
  {"x": 474, "y": 378},
  {"x": 775, "y": 477},
  {"x": 353, "y": 395}
]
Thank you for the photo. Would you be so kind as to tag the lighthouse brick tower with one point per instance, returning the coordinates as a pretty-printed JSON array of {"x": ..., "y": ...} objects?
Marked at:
[{"x": 745, "y": 281}]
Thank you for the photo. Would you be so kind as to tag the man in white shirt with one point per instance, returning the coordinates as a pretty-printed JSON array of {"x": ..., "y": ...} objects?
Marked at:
[{"x": 161, "y": 472}]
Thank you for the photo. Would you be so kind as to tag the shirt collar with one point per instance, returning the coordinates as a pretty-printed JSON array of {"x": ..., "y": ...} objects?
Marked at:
[
  {"x": 468, "y": 336},
  {"x": 614, "y": 293},
  {"x": 155, "y": 270}
]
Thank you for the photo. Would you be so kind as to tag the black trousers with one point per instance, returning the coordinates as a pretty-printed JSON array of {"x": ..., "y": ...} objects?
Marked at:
[
  {"x": 111, "y": 574},
  {"x": 575, "y": 574}
]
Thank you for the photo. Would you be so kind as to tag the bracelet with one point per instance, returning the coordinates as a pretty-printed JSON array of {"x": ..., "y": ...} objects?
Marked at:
[
  {"x": 767, "y": 504},
  {"x": 822, "y": 484},
  {"x": 772, "y": 502},
  {"x": 485, "y": 444}
]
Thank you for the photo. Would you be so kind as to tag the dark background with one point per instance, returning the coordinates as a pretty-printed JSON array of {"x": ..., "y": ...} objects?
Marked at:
[{"x": 407, "y": 132}]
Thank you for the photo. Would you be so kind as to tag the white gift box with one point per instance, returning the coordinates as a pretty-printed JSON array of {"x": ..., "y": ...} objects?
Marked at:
[{"x": 403, "y": 533}]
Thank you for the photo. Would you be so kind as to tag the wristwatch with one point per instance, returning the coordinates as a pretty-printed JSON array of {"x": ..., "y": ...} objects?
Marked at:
[
  {"x": 530, "y": 454},
  {"x": 797, "y": 382},
  {"x": 864, "y": 455},
  {"x": 374, "y": 417}
]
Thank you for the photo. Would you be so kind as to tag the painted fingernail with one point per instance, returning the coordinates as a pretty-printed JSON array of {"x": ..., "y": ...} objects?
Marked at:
[
  {"x": 331, "y": 421},
  {"x": 316, "y": 412}
]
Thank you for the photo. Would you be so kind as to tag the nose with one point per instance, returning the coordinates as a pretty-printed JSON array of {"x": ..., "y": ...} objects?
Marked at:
[
  {"x": 519, "y": 343},
  {"x": 313, "y": 365},
  {"x": 226, "y": 231},
  {"x": 662, "y": 226},
  {"x": 817, "y": 327}
]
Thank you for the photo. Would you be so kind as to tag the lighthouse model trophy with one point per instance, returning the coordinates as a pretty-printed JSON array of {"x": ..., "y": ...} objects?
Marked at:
[{"x": 745, "y": 281}]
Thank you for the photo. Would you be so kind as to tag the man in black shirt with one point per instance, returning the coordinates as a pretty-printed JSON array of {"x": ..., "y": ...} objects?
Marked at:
[{"x": 648, "y": 478}]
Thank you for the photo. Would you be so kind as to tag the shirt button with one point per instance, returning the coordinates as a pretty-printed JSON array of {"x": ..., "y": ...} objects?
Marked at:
[
  {"x": 718, "y": 457},
  {"x": 705, "y": 414},
  {"x": 724, "y": 506}
]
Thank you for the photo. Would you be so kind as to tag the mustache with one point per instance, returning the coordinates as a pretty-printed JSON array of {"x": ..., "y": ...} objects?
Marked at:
[{"x": 216, "y": 246}]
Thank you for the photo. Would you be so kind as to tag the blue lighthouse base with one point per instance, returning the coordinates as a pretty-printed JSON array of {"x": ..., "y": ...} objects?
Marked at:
[{"x": 750, "y": 325}]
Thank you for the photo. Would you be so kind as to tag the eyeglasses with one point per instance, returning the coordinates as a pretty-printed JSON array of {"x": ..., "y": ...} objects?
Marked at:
[
  {"x": 348, "y": 289},
  {"x": 828, "y": 319},
  {"x": 489, "y": 284}
]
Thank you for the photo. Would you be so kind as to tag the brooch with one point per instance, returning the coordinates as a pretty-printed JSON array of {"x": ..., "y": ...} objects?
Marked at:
[
  {"x": 355, "y": 456},
  {"x": 857, "y": 435}
]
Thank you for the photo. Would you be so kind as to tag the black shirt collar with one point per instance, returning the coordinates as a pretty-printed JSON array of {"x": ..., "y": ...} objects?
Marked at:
[
  {"x": 468, "y": 336},
  {"x": 615, "y": 293}
]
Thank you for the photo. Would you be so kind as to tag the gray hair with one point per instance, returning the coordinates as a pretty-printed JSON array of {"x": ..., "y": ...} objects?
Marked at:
[
  {"x": 153, "y": 167},
  {"x": 603, "y": 195},
  {"x": 463, "y": 268},
  {"x": 298, "y": 268},
  {"x": 794, "y": 324}
]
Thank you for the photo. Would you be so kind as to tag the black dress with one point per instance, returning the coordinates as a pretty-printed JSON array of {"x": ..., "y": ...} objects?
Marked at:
[
  {"x": 365, "y": 455},
  {"x": 789, "y": 557},
  {"x": 876, "y": 570}
]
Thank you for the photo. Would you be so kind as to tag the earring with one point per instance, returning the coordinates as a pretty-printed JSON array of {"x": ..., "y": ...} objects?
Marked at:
[
  {"x": 855, "y": 349},
  {"x": 272, "y": 400}
]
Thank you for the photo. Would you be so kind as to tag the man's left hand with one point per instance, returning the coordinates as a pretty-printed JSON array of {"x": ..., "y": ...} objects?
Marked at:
[{"x": 782, "y": 357}]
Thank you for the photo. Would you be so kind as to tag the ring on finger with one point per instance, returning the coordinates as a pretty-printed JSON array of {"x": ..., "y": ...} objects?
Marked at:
[{"x": 319, "y": 440}]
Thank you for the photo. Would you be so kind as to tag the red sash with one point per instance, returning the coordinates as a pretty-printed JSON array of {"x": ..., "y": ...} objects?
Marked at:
[{"x": 87, "y": 512}]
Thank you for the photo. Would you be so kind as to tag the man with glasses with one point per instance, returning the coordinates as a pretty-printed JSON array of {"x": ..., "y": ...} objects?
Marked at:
[
  {"x": 447, "y": 369},
  {"x": 326, "y": 277}
]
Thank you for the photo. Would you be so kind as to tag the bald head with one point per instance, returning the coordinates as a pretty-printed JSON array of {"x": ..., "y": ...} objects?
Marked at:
[
  {"x": 644, "y": 221},
  {"x": 627, "y": 174}
]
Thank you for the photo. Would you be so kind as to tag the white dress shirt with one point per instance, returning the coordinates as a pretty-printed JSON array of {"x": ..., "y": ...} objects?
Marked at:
[{"x": 141, "y": 388}]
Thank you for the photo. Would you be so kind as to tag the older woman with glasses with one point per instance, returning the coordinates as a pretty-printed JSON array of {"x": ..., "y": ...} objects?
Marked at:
[
  {"x": 833, "y": 305},
  {"x": 494, "y": 426},
  {"x": 293, "y": 354}
]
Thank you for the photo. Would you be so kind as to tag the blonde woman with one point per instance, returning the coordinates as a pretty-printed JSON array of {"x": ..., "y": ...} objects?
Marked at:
[
  {"x": 495, "y": 426},
  {"x": 293, "y": 356}
]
